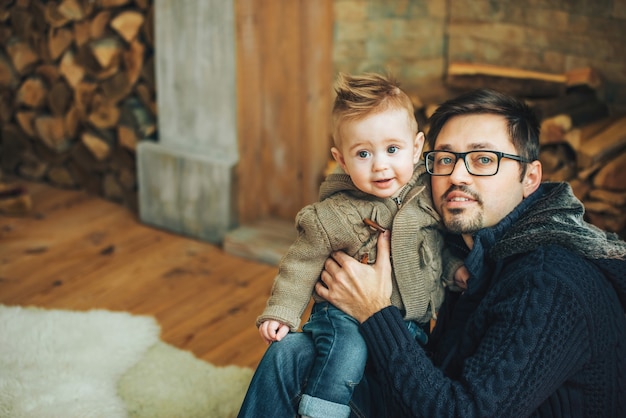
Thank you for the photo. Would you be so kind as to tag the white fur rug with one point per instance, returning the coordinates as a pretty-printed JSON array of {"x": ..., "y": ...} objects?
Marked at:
[
  {"x": 57, "y": 363},
  {"x": 172, "y": 383}
]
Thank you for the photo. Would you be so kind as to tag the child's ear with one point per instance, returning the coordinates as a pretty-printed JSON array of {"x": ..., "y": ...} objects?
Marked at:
[
  {"x": 339, "y": 158},
  {"x": 418, "y": 146}
]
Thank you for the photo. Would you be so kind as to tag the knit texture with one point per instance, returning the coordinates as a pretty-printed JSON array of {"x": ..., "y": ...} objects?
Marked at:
[
  {"x": 335, "y": 223},
  {"x": 542, "y": 331}
]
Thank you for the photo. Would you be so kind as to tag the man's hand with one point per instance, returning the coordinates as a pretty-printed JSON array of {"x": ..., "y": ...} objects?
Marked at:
[{"x": 358, "y": 289}]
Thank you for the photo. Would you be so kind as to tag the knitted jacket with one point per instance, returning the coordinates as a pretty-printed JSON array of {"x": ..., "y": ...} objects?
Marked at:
[
  {"x": 336, "y": 223},
  {"x": 540, "y": 331}
]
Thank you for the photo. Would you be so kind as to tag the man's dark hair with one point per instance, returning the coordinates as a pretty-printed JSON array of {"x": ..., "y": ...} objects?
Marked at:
[{"x": 522, "y": 121}]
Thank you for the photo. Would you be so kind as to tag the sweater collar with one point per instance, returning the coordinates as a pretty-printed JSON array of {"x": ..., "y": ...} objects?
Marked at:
[{"x": 478, "y": 262}]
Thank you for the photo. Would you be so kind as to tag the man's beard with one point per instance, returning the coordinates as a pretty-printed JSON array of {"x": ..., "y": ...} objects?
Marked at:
[
  {"x": 458, "y": 223},
  {"x": 463, "y": 221}
]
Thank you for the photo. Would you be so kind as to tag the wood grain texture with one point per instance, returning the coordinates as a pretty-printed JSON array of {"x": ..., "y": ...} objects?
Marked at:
[
  {"x": 284, "y": 80},
  {"x": 76, "y": 251}
]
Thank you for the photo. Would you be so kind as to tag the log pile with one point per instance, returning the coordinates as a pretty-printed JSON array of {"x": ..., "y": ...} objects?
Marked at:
[
  {"x": 589, "y": 152},
  {"x": 77, "y": 92}
]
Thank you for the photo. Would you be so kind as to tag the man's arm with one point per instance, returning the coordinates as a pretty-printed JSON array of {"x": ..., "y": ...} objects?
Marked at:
[
  {"x": 509, "y": 376},
  {"x": 360, "y": 290}
]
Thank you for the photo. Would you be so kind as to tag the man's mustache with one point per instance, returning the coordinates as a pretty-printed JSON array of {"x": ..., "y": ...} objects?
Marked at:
[{"x": 463, "y": 189}]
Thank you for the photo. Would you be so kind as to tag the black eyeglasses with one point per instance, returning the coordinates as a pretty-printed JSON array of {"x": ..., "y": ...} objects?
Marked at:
[{"x": 477, "y": 163}]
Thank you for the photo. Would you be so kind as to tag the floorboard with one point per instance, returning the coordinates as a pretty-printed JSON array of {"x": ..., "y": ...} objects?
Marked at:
[{"x": 76, "y": 251}]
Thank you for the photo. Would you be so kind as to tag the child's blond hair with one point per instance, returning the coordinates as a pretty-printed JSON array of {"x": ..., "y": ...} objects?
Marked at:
[{"x": 359, "y": 96}]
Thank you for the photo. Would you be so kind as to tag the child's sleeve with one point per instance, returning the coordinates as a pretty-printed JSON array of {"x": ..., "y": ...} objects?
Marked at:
[{"x": 298, "y": 271}]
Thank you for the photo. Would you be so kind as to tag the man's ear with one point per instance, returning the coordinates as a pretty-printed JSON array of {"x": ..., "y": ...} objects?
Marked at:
[
  {"x": 418, "y": 146},
  {"x": 532, "y": 178},
  {"x": 339, "y": 158}
]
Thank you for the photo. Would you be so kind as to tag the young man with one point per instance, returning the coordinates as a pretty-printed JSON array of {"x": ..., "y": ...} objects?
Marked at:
[{"x": 540, "y": 330}]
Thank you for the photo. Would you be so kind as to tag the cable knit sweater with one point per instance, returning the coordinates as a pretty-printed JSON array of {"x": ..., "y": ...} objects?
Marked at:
[
  {"x": 540, "y": 332},
  {"x": 336, "y": 223}
]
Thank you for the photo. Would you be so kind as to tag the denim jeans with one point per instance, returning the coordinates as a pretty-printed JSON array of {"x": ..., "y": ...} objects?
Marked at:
[
  {"x": 339, "y": 362},
  {"x": 282, "y": 378}
]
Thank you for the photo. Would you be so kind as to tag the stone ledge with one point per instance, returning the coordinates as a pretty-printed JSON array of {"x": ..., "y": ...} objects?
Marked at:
[{"x": 265, "y": 241}]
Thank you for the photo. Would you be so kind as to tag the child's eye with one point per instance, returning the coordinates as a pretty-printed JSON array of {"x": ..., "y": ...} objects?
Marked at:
[
  {"x": 392, "y": 149},
  {"x": 363, "y": 154}
]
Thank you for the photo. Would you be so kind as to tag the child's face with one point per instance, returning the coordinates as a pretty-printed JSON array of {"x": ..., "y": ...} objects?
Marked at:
[{"x": 379, "y": 151}]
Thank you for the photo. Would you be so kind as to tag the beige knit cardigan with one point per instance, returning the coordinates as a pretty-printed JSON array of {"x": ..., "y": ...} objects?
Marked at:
[{"x": 336, "y": 223}]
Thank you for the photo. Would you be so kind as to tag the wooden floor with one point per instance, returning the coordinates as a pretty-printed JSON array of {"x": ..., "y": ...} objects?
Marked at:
[{"x": 76, "y": 251}]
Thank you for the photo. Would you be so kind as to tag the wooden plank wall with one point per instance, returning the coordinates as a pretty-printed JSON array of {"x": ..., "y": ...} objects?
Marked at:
[{"x": 284, "y": 89}]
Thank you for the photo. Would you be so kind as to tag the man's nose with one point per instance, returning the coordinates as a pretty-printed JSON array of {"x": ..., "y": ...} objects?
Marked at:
[{"x": 459, "y": 173}]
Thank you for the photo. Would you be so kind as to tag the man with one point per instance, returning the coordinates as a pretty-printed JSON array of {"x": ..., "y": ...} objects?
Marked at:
[{"x": 540, "y": 329}]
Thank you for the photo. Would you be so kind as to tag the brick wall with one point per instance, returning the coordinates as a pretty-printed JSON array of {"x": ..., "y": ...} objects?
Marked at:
[
  {"x": 403, "y": 37},
  {"x": 415, "y": 39}
]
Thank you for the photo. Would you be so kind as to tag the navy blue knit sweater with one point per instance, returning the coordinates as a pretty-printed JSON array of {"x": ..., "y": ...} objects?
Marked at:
[{"x": 540, "y": 330}]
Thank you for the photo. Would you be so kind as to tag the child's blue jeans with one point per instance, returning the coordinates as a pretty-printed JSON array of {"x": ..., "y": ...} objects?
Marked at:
[{"x": 340, "y": 360}]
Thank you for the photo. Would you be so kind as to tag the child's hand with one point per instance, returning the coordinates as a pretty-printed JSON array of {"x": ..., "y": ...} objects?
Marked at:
[
  {"x": 461, "y": 276},
  {"x": 273, "y": 331}
]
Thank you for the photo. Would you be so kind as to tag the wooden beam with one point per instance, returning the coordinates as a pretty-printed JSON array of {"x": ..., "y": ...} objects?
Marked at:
[{"x": 514, "y": 81}]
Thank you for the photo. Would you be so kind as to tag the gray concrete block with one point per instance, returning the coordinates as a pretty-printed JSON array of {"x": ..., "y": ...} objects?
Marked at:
[{"x": 186, "y": 192}]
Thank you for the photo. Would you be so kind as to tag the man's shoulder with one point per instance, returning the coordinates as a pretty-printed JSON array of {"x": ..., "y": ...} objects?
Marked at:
[
  {"x": 557, "y": 269},
  {"x": 553, "y": 260},
  {"x": 559, "y": 277},
  {"x": 556, "y": 254}
]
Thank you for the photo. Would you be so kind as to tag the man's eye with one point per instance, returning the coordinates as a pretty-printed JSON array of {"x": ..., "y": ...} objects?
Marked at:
[
  {"x": 485, "y": 159},
  {"x": 363, "y": 154},
  {"x": 392, "y": 149},
  {"x": 445, "y": 161}
]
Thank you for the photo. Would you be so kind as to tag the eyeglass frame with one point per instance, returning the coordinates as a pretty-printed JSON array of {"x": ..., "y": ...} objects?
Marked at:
[{"x": 462, "y": 156}]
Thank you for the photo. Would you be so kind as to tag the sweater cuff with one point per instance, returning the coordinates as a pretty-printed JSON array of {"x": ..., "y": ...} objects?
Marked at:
[{"x": 384, "y": 332}]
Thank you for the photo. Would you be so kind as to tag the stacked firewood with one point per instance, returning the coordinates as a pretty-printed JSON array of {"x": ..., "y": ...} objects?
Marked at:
[
  {"x": 582, "y": 140},
  {"x": 585, "y": 144},
  {"x": 77, "y": 92}
]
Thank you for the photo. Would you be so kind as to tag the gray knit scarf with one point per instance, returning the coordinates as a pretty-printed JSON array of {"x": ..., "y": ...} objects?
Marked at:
[{"x": 556, "y": 217}]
